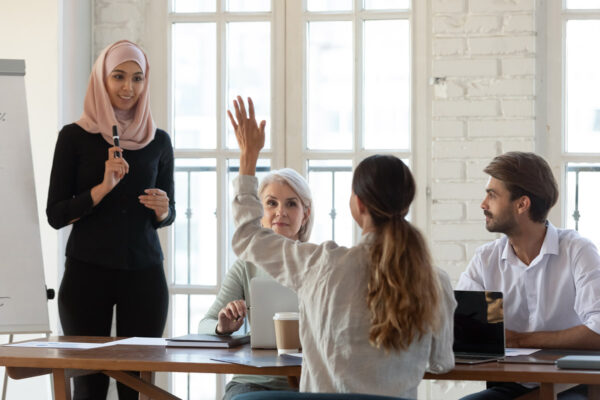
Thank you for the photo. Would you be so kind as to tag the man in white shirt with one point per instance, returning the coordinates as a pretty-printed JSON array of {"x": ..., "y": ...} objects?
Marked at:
[{"x": 550, "y": 277}]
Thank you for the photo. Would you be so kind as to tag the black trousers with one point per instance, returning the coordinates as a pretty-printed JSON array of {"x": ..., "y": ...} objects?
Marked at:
[{"x": 86, "y": 298}]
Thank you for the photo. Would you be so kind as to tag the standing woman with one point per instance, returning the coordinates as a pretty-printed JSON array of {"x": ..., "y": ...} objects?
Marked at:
[{"x": 116, "y": 198}]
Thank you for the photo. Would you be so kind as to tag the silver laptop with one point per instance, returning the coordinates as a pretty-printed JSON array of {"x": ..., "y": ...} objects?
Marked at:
[
  {"x": 268, "y": 297},
  {"x": 478, "y": 327}
]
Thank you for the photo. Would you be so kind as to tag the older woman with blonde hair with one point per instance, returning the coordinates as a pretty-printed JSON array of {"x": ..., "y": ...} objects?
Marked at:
[{"x": 287, "y": 204}]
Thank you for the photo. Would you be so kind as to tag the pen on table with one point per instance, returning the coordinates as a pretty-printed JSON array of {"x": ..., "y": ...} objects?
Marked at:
[{"x": 116, "y": 140}]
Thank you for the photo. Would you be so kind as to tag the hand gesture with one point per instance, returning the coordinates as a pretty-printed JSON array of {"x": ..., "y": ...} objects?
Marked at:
[
  {"x": 231, "y": 317},
  {"x": 156, "y": 200},
  {"x": 250, "y": 135},
  {"x": 114, "y": 169}
]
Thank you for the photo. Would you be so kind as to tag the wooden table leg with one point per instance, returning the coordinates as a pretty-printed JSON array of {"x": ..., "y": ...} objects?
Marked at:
[
  {"x": 146, "y": 376},
  {"x": 134, "y": 382},
  {"x": 62, "y": 385},
  {"x": 547, "y": 391}
]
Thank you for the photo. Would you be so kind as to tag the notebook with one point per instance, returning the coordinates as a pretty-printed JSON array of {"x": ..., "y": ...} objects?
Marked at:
[
  {"x": 478, "y": 327},
  {"x": 203, "y": 340},
  {"x": 268, "y": 297},
  {"x": 579, "y": 362}
]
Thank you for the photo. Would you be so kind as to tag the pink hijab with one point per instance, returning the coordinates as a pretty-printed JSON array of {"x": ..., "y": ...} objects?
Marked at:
[{"x": 136, "y": 126}]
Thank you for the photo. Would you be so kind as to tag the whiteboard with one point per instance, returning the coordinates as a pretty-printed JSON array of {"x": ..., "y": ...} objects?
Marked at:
[{"x": 23, "y": 303}]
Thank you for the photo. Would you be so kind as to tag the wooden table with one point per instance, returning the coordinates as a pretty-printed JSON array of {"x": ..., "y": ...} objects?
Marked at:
[
  {"x": 552, "y": 380},
  {"x": 114, "y": 361}
]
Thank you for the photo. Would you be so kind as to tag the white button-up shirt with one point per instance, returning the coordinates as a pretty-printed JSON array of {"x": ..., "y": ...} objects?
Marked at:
[{"x": 560, "y": 289}]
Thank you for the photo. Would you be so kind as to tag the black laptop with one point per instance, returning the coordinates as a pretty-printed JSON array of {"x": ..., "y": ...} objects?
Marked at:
[{"x": 478, "y": 327}]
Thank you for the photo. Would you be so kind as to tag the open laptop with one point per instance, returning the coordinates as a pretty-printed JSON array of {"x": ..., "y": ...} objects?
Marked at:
[
  {"x": 268, "y": 297},
  {"x": 478, "y": 327}
]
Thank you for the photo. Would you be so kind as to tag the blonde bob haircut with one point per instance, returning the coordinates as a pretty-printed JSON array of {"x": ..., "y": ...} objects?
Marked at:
[{"x": 299, "y": 185}]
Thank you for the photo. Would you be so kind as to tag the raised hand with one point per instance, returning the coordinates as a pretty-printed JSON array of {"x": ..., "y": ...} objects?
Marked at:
[
  {"x": 249, "y": 134},
  {"x": 231, "y": 317}
]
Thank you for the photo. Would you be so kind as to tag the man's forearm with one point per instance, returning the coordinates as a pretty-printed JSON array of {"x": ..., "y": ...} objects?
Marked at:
[{"x": 577, "y": 337}]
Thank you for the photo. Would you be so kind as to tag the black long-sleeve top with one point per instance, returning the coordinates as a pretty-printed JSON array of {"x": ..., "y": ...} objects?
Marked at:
[{"x": 119, "y": 232}]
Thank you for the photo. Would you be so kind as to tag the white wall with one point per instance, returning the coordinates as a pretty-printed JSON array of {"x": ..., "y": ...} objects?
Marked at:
[{"x": 28, "y": 29}]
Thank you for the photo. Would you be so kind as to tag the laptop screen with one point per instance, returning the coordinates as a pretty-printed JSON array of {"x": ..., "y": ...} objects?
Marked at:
[{"x": 478, "y": 322}]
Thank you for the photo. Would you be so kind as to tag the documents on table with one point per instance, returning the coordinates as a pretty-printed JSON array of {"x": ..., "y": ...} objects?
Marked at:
[
  {"x": 511, "y": 352},
  {"x": 61, "y": 345}
]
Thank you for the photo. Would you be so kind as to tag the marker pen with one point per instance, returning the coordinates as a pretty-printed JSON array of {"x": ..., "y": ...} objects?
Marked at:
[{"x": 116, "y": 141}]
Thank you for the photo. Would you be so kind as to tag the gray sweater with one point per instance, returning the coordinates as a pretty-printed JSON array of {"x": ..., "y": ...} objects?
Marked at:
[{"x": 236, "y": 286}]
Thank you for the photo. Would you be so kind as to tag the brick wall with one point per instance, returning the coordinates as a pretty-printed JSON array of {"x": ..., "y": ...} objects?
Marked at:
[
  {"x": 483, "y": 54},
  {"x": 116, "y": 20}
]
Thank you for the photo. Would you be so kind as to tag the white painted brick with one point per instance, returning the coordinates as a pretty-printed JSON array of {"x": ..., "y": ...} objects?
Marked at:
[
  {"x": 440, "y": 6},
  {"x": 476, "y": 108},
  {"x": 448, "y": 252},
  {"x": 454, "y": 170},
  {"x": 517, "y": 145},
  {"x": 492, "y": 6},
  {"x": 449, "y": 46},
  {"x": 448, "y": 24},
  {"x": 464, "y": 149},
  {"x": 447, "y": 128},
  {"x": 501, "y": 87},
  {"x": 474, "y": 211},
  {"x": 502, "y": 45},
  {"x": 518, "y": 108},
  {"x": 501, "y": 128},
  {"x": 460, "y": 232},
  {"x": 455, "y": 89},
  {"x": 447, "y": 211},
  {"x": 455, "y": 190},
  {"x": 119, "y": 13},
  {"x": 465, "y": 68},
  {"x": 482, "y": 24},
  {"x": 517, "y": 66},
  {"x": 475, "y": 170},
  {"x": 519, "y": 23}
]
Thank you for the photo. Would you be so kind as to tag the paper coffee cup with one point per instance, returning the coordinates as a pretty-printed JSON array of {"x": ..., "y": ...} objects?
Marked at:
[{"x": 287, "y": 332}]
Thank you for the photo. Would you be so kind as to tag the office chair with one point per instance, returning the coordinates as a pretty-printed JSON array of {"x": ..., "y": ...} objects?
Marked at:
[{"x": 278, "y": 395}]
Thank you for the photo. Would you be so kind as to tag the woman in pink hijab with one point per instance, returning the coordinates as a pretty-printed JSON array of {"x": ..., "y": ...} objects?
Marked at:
[{"x": 115, "y": 195}]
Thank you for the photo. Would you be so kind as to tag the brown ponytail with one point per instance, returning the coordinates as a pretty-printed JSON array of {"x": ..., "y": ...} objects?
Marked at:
[{"x": 403, "y": 290}]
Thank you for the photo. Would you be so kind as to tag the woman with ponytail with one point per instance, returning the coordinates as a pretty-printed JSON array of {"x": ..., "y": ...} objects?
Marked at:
[{"x": 374, "y": 317}]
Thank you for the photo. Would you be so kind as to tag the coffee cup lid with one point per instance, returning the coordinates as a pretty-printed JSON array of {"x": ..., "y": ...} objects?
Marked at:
[{"x": 286, "y": 315}]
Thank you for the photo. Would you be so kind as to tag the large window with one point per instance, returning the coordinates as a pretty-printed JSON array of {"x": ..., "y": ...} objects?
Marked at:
[
  {"x": 335, "y": 81},
  {"x": 577, "y": 79}
]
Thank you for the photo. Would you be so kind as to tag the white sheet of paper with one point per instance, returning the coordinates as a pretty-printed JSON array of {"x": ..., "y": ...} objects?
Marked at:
[
  {"x": 510, "y": 352},
  {"x": 61, "y": 345},
  {"x": 143, "y": 341}
]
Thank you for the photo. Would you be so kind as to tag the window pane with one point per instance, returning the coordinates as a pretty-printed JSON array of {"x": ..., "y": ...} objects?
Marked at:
[
  {"x": 582, "y": 87},
  {"x": 195, "y": 230},
  {"x": 188, "y": 310},
  {"x": 249, "y": 71},
  {"x": 249, "y": 5},
  {"x": 330, "y": 182},
  {"x": 194, "y": 86},
  {"x": 329, "y": 5},
  {"x": 330, "y": 84},
  {"x": 583, "y": 4},
  {"x": 387, "y": 4},
  {"x": 387, "y": 85},
  {"x": 233, "y": 166},
  {"x": 190, "y": 6},
  {"x": 583, "y": 181}
]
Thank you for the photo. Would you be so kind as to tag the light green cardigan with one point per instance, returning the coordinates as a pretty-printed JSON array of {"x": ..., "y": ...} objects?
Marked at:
[{"x": 236, "y": 286}]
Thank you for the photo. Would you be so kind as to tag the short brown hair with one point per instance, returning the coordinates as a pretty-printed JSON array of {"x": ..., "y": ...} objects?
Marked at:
[{"x": 526, "y": 174}]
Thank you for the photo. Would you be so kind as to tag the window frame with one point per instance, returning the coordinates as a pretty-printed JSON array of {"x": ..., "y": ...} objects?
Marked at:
[{"x": 551, "y": 131}]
